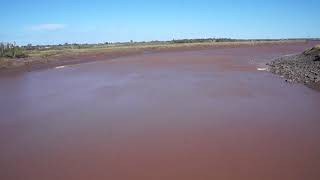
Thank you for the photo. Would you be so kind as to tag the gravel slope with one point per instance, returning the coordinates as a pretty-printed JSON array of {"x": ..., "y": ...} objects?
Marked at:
[{"x": 301, "y": 68}]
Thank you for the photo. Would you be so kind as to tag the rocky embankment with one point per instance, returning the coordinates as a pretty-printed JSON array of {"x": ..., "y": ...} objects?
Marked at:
[{"x": 301, "y": 68}]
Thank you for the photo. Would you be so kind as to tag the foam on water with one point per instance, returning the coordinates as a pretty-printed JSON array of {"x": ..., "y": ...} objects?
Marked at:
[
  {"x": 262, "y": 69},
  {"x": 60, "y": 67}
]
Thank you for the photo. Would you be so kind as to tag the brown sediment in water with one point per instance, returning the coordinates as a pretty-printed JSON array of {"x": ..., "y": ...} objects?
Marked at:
[
  {"x": 206, "y": 114},
  {"x": 77, "y": 56}
]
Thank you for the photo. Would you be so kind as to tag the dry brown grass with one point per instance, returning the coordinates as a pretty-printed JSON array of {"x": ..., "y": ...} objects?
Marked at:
[{"x": 136, "y": 47}]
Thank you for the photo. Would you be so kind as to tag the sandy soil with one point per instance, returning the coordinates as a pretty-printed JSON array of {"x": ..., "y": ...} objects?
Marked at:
[{"x": 206, "y": 114}]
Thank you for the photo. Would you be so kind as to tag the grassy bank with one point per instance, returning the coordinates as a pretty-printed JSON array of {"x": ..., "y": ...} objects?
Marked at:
[
  {"x": 77, "y": 53},
  {"x": 98, "y": 48},
  {"x": 12, "y": 51}
]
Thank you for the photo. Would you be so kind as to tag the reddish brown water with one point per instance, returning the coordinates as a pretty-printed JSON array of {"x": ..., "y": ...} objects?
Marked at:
[{"x": 198, "y": 115}]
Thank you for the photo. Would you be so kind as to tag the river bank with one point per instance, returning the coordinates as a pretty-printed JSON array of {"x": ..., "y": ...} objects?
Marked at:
[
  {"x": 53, "y": 58},
  {"x": 300, "y": 68},
  {"x": 205, "y": 114}
]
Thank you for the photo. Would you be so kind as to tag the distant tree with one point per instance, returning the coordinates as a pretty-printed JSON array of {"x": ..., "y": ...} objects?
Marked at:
[
  {"x": 29, "y": 47},
  {"x": 2, "y": 49}
]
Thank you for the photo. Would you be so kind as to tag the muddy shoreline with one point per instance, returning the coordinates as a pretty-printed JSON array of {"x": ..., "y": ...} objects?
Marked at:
[{"x": 39, "y": 63}]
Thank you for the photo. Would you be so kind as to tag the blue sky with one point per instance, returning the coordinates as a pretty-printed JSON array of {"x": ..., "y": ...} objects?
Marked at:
[{"x": 60, "y": 21}]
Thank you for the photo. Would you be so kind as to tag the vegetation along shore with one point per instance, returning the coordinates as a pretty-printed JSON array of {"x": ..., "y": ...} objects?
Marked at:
[{"x": 30, "y": 57}]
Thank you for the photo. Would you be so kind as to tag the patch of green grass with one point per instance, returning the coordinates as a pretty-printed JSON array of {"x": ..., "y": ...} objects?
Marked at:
[{"x": 11, "y": 51}]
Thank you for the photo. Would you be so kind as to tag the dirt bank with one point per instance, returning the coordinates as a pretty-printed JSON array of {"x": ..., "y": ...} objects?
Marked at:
[
  {"x": 68, "y": 57},
  {"x": 300, "y": 68}
]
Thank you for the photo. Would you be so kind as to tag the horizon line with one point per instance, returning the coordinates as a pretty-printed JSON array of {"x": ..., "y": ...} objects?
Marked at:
[{"x": 159, "y": 41}]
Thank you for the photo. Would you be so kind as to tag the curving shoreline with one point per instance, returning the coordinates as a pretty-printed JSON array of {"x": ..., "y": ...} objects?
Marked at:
[
  {"x": 164, "y": 110},
  {"x": 69, "y": 57}
]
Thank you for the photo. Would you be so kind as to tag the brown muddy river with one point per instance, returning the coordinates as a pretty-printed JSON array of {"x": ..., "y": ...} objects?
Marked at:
[{"x": 197, "y": 115}]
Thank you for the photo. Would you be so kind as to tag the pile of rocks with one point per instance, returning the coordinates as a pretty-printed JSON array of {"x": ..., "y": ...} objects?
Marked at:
[{"x": 301, "y": 68}]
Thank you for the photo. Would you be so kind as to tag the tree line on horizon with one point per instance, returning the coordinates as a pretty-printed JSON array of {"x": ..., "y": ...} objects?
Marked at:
[{"x": 11, "y": 50}]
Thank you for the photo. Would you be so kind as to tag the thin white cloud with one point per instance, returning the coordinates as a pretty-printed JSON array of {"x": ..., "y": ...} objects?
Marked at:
[{"x": 48, "y": 27}]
